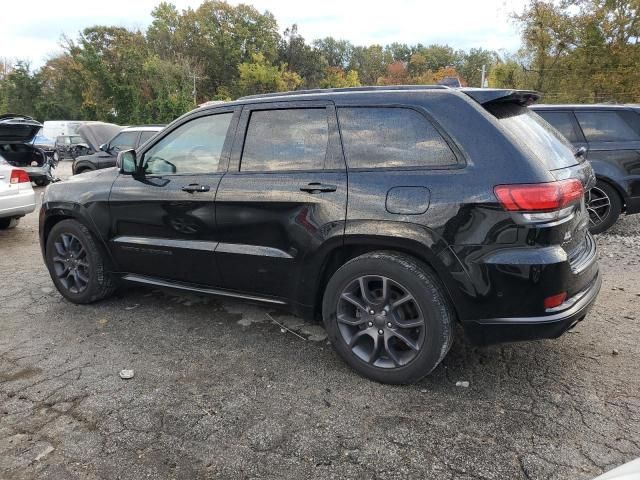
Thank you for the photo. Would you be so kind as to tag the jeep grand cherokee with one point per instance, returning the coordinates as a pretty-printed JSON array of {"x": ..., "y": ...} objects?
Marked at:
[{"x": 390, "y": 212}]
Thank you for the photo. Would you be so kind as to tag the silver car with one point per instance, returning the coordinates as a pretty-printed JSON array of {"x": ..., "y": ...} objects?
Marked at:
[
  {"x": 17, "y": 197},
  {"x": 16, "y": 134}
]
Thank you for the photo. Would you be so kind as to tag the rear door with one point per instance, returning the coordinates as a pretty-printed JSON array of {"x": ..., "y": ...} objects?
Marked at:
[
  {"x": 163, "y": 222},
  {"x": 283, "y": 199}
]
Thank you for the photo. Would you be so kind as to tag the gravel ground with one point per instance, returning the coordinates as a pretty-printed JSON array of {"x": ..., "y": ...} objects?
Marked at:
[{"x": 222, "y": 391}]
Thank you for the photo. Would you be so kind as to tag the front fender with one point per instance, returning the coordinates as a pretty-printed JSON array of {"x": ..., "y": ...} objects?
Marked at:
[{"x": 55, "y": 211}]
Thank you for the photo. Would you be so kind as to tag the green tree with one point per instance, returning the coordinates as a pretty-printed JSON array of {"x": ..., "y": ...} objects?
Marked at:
[
  {"x": 19, "y": 90},
  {"x": 260, "y": 76},
  {"x": 337, "y": 53},
  {"x": 338, "y": 78},
  {"x": 302, "y": 58},
  {"x": 470, "y": 63},
  {"x": 370, "y": 63}
]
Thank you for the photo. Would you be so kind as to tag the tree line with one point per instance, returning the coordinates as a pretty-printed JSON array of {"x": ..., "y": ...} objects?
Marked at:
[{"x": 572, "y": 51}]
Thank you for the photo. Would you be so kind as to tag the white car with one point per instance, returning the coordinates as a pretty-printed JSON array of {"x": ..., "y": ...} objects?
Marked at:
[
  {"x": 17, "y": 197},
  {"x": 628, "y": 471}
]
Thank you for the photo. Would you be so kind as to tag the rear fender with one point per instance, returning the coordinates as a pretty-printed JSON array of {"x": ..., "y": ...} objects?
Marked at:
[{"x": 369, "y": 235}]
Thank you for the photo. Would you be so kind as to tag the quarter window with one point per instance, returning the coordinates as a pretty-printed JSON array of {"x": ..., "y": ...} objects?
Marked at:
[
  {"x": 194, "y": 147},
  {"x": 610, "y": 126},
  {"x": 288, "y": 139},
  {"x": 386, "y": 137}
]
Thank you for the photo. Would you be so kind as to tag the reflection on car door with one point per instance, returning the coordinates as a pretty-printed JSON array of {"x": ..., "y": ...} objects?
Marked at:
[
  {"x": 164, "y": 220},
  {"x": 283, "y": 197}
]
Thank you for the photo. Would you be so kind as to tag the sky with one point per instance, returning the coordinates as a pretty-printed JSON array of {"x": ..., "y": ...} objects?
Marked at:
[{"x": 32, "y": 29}]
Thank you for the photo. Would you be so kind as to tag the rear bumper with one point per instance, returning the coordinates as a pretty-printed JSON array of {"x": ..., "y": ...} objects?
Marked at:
[
  {"x": 36, "y": 173},
  {"x": 18, "y": 205},
  {"x": 557, "y": 322}
]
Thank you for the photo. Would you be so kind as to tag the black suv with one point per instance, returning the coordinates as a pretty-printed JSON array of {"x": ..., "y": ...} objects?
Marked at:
[
  {"x": 610, "y": 135},
  {"x": 392, "y": 213}
]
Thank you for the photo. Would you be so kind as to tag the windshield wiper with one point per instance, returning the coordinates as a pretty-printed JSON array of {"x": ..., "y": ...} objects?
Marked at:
[{"x": 580, "y": 152}]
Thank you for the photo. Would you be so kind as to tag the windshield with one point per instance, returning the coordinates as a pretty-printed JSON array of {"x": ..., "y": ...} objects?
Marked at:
[{"x": 535, "y": 134}]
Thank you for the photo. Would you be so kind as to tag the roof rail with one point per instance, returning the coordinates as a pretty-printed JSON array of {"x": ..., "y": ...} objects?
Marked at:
[{"x": 346, "y": 89}]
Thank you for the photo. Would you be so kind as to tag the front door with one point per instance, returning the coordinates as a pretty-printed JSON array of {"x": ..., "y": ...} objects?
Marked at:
[
  {"x": 283, "y": 199},
  {"x": 163, "y": 220}
]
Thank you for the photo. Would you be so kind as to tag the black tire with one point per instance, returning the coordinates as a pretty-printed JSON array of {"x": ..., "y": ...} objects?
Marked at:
[
  {"x": 42, "y": 182},
  {"x": 99, "y": 282},
  {"x": 9, "y": 222},
  {"x": 604, "y": 206},
  {"x": 433, "y": 338}
]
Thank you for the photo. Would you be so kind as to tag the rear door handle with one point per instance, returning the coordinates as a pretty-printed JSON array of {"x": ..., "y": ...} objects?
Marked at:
[
  {"x": 194, "y": 187},
  {"x": 315, "y": 187}
]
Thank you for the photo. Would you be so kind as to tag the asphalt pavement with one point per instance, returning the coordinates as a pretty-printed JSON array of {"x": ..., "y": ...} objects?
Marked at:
[{"x": 224, "y": 389}]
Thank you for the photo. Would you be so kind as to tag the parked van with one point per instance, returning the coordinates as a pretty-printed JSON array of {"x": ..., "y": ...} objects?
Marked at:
[{"x": 57, "y": 128}]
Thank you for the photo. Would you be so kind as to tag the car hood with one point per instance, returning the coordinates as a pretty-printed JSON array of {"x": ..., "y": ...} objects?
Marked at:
[
  {"x": 94, "y": 156},
  {"x": 93, "y": 175},
  {"x": 18, "y": 128},
  {"x": 97, "y": 133}
]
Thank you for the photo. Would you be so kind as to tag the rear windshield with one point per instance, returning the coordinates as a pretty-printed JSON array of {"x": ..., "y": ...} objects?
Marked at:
[{"x": 532, "y": 132}]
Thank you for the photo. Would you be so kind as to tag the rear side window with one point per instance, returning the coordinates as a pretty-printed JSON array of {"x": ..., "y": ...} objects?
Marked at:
[
  {"x": 288, "y": 139},
  {"x": 531, "y": 132},
  {"x": 563, "y": 122},
  {"x": 388, "y": 137},
  {"x": 610, "y": 126}
]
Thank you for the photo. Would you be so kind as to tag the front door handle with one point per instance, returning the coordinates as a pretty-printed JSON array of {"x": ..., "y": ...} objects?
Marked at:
[
  {"x": 195, "y": 187},
  {"x": 316, "y": 187}
]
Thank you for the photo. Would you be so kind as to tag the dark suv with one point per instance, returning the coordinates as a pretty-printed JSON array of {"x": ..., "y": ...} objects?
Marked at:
[
  {"x": 392, "y": 213},
  {"x": 610, "y": 135}
]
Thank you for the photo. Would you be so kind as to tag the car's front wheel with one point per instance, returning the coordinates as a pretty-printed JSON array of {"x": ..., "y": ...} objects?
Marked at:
[
  {"x": 77, "y": 263},
  {"x": 388, "y": 317}
]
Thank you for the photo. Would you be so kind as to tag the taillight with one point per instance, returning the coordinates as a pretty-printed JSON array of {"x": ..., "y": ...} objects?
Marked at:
[
  {"x": 555, "y": 300},
  {"x": 539, "y": 197},
  {"x": 19, "y": 176}
]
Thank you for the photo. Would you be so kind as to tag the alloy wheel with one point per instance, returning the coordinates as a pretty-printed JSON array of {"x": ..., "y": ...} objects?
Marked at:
[
  {"x": 380, "y": 321},
  {"x": 598, "y": 205},
  {"x": 70, "y": 263}
]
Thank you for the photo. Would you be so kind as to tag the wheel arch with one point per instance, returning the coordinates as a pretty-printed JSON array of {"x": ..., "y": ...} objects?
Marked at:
[
  {"x": 51, "y": 215},
  {"x": 431, "y": 255},
  {"x": 616, "y": 187}
]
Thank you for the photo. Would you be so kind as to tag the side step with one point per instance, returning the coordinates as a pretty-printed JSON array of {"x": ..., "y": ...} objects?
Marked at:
[{"x": 131, "y": 277}]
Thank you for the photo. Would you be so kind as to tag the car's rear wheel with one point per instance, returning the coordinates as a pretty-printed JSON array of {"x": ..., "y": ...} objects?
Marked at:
[
  {"x": 388, "y": 317},
  {"x": 7, "y": 223},
  {"x": 604, "y": 206},
  {"x": 77, "y": 263}
]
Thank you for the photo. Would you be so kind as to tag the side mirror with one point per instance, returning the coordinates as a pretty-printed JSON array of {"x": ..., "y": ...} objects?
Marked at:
[
  {"x": 104, "y": 147},
  {"x": 126, "y": 162}
]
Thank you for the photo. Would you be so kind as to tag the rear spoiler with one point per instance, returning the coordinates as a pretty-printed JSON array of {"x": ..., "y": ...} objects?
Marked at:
[{"x": 488, "y": 96}]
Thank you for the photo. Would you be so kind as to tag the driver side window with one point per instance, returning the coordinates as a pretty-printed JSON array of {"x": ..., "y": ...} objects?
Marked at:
[{"x": 194, "y": 147}]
